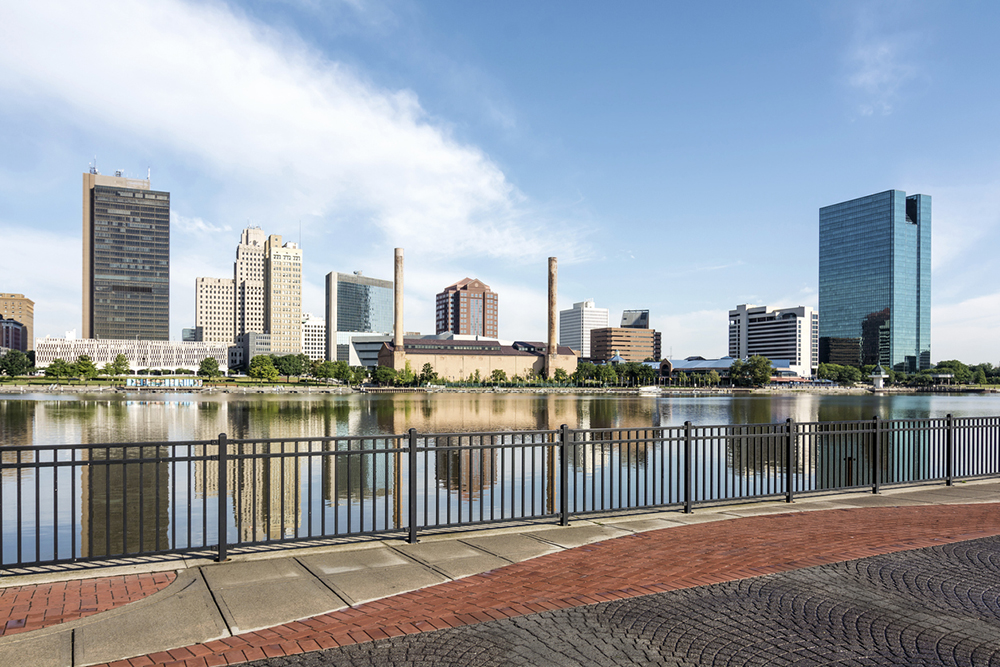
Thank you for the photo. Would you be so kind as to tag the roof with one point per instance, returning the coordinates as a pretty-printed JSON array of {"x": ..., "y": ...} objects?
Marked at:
[
  {"x": 464, "y": 283},
  {"x": 475, "y": 347}
]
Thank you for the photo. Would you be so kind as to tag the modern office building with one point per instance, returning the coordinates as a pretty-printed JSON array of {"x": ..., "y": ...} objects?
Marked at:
[
  {"x": 776, "y": 333},
  {"x": 875, "y": 281},
  {"x": 126, "y": 258},
  {"x": 313, "y": 337},
  {"x": 13, "y": 336},
  {"x": 20, "y": 308},
  {"x": 635, "y": 319},
  {"x": 576, "y": 323},
  {"x": 469, "y": 307},
  {"x": 355, "y": 304},
  {"x": 214, "y": 305},
  {"x": 628, "y": 343}
]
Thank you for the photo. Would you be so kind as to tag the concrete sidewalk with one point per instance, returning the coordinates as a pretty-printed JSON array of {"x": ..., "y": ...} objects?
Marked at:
[{"x": 210, "y": 601}]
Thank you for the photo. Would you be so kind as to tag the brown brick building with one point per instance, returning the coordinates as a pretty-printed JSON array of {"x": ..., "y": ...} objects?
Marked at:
[
  {"x": 18, "y": 307},
  {"x": 630, "y": 344},
  {"x": 469, "y": 307}
]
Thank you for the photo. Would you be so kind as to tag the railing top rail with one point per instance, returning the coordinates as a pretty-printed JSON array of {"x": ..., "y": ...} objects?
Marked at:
[{"x": 105, "y": 445}]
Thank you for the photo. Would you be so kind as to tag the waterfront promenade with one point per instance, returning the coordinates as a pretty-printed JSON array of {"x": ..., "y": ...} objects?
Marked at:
[{"x": 745, "y": 584}]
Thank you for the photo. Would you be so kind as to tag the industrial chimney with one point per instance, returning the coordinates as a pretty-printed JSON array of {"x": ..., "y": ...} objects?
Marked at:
[
  {"x": 398, "y": 354},
  {"x": 553, "y": 349}
]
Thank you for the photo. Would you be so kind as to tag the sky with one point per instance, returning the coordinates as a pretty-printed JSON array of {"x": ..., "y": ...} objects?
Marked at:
[{"x": 673, "y": 156}]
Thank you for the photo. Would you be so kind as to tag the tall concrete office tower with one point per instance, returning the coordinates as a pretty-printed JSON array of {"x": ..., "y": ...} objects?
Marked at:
[
  {"x": 576, "y": 323},
  {"x": 875, "y": 281},
  {"x": 126, "y": 258},
  {"x": 214, "y": 301}
]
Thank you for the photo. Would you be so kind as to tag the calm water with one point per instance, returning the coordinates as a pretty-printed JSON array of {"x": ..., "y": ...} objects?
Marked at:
[
  {"x": 94, "y": 507},
  {"x": 69, "y": 418}
]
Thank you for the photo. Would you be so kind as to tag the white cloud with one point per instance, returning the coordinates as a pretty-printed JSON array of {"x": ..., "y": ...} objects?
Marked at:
[
  {"x": 879, "y": 63},
  {"x": 55, "y": 290},
  {"x": 304, "y": 137},
  {"x": 967, "y": 330},
  {"x": 196, "y": 226},
  {"x": 704, "y": 333}
]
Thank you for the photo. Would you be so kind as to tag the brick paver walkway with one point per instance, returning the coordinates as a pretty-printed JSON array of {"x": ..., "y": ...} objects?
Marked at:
[
  {"x": 25, "y": 608},
  {"x": 640, "y": 564}
]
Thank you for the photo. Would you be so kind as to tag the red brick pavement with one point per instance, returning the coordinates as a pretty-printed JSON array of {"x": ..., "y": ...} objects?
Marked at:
[
  {"x": 25, "y": 608},
  {"x": 634, "y": 565}
]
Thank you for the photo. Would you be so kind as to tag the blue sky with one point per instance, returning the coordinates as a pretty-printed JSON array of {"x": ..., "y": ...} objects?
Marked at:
[{"x": 673, "y": 156}]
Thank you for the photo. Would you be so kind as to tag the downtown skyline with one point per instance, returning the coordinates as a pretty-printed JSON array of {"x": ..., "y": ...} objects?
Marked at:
[{"x": 674, "y": 158}]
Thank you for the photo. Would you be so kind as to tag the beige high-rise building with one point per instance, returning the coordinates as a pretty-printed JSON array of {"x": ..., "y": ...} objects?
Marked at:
[
  {"x": 248, "y": 278},
  {"x": 20, "y": 308},
  {"x": 283, "y": 289},
  {"x": 214, "y": 304}
]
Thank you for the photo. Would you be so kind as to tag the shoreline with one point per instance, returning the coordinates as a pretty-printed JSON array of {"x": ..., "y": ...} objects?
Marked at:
[{"x": 649, "y": 392}]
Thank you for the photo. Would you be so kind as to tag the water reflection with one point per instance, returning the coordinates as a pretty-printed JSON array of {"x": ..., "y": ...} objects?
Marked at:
[{"x": 129, "y": 500}]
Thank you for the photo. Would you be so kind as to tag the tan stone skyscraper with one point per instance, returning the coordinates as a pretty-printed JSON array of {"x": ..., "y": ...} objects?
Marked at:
[
  {"x": 249, "y": 277},
  {"x": 283, "y": 289},
  {"x": 214, "y": 301}
]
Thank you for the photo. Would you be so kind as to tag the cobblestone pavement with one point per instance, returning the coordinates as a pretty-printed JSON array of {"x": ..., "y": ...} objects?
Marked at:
[{"x": 932, "y": 606}]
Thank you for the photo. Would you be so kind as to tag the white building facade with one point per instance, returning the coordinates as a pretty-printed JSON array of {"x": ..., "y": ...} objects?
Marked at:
[
  {"x": 313, "y": 337},
  {"x": 151, "y": 354},
  {"x": 791, "y": 334},
  {"x": 214, "y": 303},
  {"x": 576, "y": 324}
]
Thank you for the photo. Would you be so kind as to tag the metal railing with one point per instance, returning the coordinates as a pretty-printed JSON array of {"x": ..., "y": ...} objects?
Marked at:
[{"x": 97, "y": 502}]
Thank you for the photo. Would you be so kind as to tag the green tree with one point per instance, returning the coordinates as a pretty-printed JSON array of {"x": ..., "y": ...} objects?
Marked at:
[
  {"x": 713, "y": 378},
  {"x": 682, "y": 378},
  {"x": 979, "y": 376},
  {"x": 14, "y": 363},
  {"x": 291, "y": 364},
  {"x": 209, "y": 368},
  {"x": 262, "y": 368},
  {"x": 406, "y": 377},
  {"x": 848, "y": 375},
  {"x": 427, "y": 374},
  {"x": 359, "y": 374},
  {"x": 85, "y": 367},
  {"x": 384, "y": 376},
  {"x": 559, "y": 376},
  {"x": 606, "y": 374},
  {"x": 58, "y": 369},
  {"x": 962, "y": 373},
  {"x": 498, "y": 375},
  {"x": 324, "y": 370},
  {"x": 754, "y": 372}
]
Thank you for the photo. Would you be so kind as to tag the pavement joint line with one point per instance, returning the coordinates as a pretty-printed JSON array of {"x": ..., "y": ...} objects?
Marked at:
[
  {"x": 346, "y": 599},
  {"x": 225, "y": 614}
]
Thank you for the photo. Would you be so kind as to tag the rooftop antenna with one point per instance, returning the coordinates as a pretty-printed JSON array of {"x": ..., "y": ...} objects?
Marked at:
[
  {"x": 93, "y": 166},
  {"x": 148, "y": 172},
  {"x": 300, "y": 232}
]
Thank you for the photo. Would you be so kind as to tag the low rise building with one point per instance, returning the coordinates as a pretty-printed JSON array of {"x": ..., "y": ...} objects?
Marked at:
[
  {"x": 248, "y": 346},
  {"x": 313, "y": 337},
  {"x": 455, "y": 360},
  {"x": 151, "y": 354}
]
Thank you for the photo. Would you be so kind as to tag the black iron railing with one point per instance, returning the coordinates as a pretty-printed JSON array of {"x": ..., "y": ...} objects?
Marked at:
[{"x": 97, "y": 502}]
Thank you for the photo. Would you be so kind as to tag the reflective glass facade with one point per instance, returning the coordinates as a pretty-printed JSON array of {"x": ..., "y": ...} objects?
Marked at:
[
  {"x": 359, "y": 303},
  {"x": 126, "y": 260},
  {"x": 875, "y": 281}
]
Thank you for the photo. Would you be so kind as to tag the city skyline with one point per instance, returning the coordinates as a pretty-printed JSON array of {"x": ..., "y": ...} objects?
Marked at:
[{"x": 486, "y": 138}]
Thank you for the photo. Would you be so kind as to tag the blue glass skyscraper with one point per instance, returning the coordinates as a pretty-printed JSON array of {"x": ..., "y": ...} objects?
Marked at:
[{"x": 875, "y": 281}]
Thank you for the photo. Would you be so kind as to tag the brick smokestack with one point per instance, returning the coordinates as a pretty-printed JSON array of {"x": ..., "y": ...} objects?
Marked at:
[
  {"x": 553, "y": 345},
  {"x": 397, "y": 293}
]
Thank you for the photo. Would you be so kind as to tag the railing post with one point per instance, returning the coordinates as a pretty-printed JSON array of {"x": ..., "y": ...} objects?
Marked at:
[
  {"x": 687, "y": 468},
  {"x": 412, "y": 493},
  {"x": 789, "y": 453},
  {"x": 876, "y": 453},
  {"x": 564, "y": 475},
  {"x": 223, "y": 495},
  {"x": 949, "y": 450}
]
